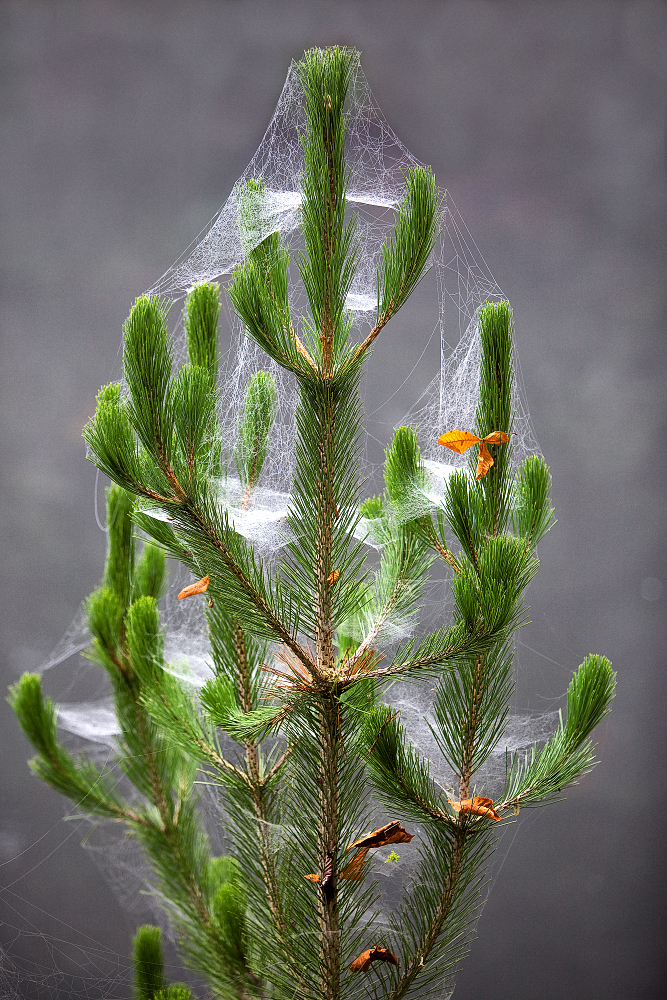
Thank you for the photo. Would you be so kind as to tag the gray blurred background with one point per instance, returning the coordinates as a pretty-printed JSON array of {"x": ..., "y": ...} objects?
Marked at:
[{"x": 123, "y": 127}]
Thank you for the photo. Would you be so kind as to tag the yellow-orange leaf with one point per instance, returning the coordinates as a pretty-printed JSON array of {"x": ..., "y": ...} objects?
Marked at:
[
  {"x": 484, "y": 462},
  {"x": 333, "y": 576},
  {"x": 458, "y": 441},
  {"x": 313, "y": 878},
  {"x": 200, "y": 587},
  {"x": 391, "y": 833},
  {"x": 496, "y": 437},
  {"x": 376, "y": 954},
  {"x": 480, "y": 805}
]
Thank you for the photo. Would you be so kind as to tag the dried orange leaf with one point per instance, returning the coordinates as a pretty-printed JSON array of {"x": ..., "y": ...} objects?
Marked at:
[
  {"x": 458, "y": 441},
  {"x": 391, "y": 833},
  {"x": 352, "y": 871},
  {"x": 200, "y": 587},
  {"x": 496, "y": 437},
  {"x": 484, "y": 462},
  {"x": 333, "y": 576},
  {"x": 480, "y": 805},
  {"x": 376, "y": 954}
]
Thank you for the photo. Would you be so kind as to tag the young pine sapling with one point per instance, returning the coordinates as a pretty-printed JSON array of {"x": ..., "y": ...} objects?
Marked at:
[{"x": 295, "y": 726}]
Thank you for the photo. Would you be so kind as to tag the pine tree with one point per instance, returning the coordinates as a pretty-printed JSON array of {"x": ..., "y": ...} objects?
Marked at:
[{"x": 295, "y": 727}]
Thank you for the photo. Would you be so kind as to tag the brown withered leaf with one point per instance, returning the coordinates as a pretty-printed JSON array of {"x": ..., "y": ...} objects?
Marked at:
[
  {"x": 333, "y": 576},
  {"x": 484, "y": 462},
  {"x": 200, "y": 587},
  {"x": 377, "y": 954},
  {"x": 458, "y": 441},
  {"x": 480, "y": 805},
  {"x": 352, "y": 871},
  {"x": 390, "y": 833}
]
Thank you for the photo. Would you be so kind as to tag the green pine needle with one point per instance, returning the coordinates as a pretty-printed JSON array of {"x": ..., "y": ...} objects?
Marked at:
[
  {"x": 148, "y": 962},
  {"x": 259, "y": 411},
  {"x": 201, "y": 314}
]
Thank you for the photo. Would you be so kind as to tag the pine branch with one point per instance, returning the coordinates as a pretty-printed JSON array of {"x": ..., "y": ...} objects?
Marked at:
[
  {"x": 399, "y": 774},
  {"x": 148, "y": 962},
  {"x": 441, "y": 912},
  {"x": 464, "y": 514},
  {"x": 569, "y": 753},
  {"x": 185, "y": 497},
  {"x": 470, "y": 711},
  {"x": 435, "y": 538},
  {"x": 263, "y": 247},
  {"x": 433, "y": 924},
  {"x": 78, "y": 779},
  {"x": 438, "y": 649},
  {"x": 258, "y": 292},
  {"x": 494, "y": 410},
  {"x": 150, "y": 768},
  {"x": 404, "y": 568},
  {"x": 130, "y": 646},
  {"x": 201, "y": 315},
  {"x": 259, "y": 411},
  {"x": 274, "y": 771},
  {"x": 471, "y": 726},
  {"x": 328, "y": 266},
  {"x": 170, "y": 708},
  {"x": 405, "y": 257},
  {"x": 257, "y": 789},
  {"x": 209, "y": 540},
  {"x": 241, "y": 580},
  {"x": 237, "y": 659},
  {"x": 531, "y": 513}
]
